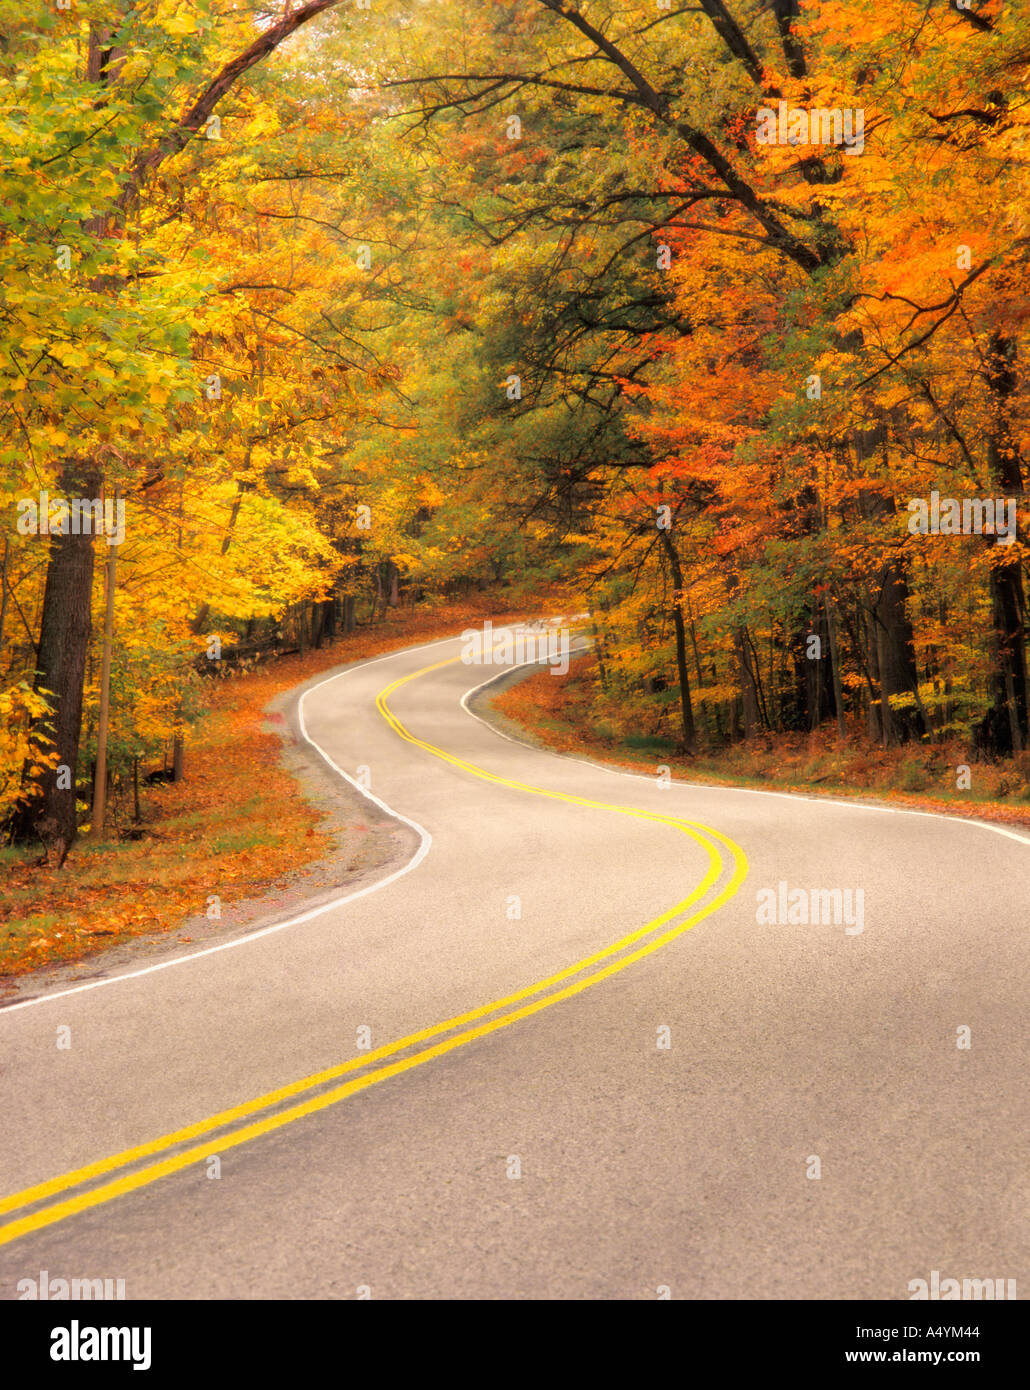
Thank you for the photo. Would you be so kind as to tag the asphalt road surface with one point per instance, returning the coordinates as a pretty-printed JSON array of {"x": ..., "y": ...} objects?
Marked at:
[{"x": 552, "y": 1053}]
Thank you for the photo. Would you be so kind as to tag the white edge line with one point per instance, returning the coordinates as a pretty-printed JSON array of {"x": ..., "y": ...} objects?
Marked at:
[
  {"x": 714, "y": 786},
  {"x": 425, "y": 841}
]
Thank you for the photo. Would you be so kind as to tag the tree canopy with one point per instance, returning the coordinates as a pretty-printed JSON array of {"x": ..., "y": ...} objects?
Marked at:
[{"x": 696, "y": 308}]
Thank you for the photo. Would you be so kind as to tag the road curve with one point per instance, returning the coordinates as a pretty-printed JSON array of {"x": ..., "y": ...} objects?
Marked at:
[{"x": 554, "y": 1053}]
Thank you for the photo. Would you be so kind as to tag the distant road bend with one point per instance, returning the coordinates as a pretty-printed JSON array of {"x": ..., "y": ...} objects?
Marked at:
[{"x": 559, "y": 1052}]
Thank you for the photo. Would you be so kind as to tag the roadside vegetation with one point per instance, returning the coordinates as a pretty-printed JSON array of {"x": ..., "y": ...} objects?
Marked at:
[{"x": 940, "y": 776}]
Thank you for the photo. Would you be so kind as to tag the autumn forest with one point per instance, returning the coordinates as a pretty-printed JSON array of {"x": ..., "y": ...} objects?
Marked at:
[{"x": 711, "y": 316}]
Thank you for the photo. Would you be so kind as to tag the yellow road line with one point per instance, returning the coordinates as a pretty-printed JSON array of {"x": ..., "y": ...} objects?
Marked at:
[{"x": 176, "y": 1162}]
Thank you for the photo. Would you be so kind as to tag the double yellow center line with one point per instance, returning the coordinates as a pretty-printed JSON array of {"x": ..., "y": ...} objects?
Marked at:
[{"x": 463, "y": 1029}]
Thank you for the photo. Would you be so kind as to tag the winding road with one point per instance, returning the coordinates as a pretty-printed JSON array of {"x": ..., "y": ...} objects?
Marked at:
[{"x": 551, "y": 1053}]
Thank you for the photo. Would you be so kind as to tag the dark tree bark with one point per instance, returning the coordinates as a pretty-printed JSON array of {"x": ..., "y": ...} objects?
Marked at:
[
  {"x": 317, "y": 624},
  {"x": 895, "y": 654},
  {"x": 328, "y": 619},
  {"x": 820, "y": 690},
  {"x": 838, "y": 691},
  {"x": 60, "y": 673},
  {"x": 734, "y": 38},
  {"x": 786, "y": 12},
  {"x": 686, "y": 706},
  {"x": 1008, "y": 602},
  {"x": 874, "y": 723},
  {"x": 891, "y": 641},
  {"x": 748, "y": 687}
]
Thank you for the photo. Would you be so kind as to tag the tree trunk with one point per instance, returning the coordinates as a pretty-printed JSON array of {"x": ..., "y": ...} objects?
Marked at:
[
  {"x": 602, "y": 669},
  {"x": 686, "y": 707},
  {"x": 178, "y": 758},
  {"x": 60, "y": 670},
  {"x": 711, "y": 729},
  {"x": 895, "y": 651},
  {"x": 748, "y": 687},
  {"x": 871, "y": 666},
  {"x": 820, "y": 689},
  {"x": 96, "y": 829},
  {"x": 891, "y": 640},
  {"x": 1008, "y": 603},
  {"x": 317, "y": 621},
  {"x": 328, "y": 619},
  {"x": 838, "y": 691}
]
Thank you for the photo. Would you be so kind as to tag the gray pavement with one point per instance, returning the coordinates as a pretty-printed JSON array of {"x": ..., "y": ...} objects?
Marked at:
[{"x": 639, "y": 1167}]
